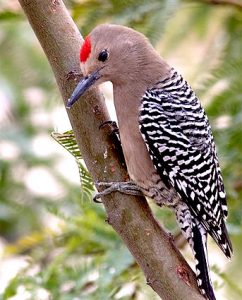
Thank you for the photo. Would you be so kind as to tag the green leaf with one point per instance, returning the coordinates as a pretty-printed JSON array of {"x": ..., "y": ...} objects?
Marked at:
[
  {"x": 8, "y": 15},
  {"x": 68, "y": 141}
]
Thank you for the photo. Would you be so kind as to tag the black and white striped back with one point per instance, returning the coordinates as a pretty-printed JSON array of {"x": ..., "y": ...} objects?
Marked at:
[{"x": 178, "y": 137}]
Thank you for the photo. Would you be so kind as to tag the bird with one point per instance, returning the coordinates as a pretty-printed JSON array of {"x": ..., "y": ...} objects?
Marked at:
[{"x": 165, "y": 135}]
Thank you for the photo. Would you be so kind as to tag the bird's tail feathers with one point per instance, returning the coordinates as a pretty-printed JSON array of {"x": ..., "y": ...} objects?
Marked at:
[
  {"x": 196, "y": 236},
  {"x": 201, "y": 259}
]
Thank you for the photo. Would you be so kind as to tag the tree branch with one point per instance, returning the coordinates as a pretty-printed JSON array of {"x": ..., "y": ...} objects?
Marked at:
[
  {"x": 165, "y": 269},
  {"x": 232, "y": 3}
]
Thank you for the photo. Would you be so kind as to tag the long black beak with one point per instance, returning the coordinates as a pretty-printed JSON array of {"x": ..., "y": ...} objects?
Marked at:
[{"x": 82, "y": 86}]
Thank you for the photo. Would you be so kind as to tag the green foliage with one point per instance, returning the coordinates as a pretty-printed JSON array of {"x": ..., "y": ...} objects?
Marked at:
[
  {"x": 81, "y": 261},
  {"x": 69, "y": 249},
  {"x": 225, "y": 112},
  {"x": 68, "y": 141},
  {"x": 147, "y": 17},
  {"x": 7, "y": 15}
]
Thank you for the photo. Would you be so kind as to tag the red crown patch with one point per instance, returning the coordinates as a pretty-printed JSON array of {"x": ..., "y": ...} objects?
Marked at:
[{"x": 85, "y": 49}]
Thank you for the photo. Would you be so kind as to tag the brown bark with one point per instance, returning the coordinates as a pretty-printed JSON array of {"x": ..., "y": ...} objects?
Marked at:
[{"x": 165, "y": 269}]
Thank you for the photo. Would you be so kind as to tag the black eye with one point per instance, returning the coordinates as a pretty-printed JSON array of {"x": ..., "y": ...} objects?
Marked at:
[{"x": 103, "y": 55}]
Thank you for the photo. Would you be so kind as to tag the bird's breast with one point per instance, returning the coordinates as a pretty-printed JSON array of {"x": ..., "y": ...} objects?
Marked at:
[{"x": 139, "y": 164}]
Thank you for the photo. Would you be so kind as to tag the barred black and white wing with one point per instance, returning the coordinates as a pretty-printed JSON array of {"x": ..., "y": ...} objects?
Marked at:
[{"x": 178, "y": 136}]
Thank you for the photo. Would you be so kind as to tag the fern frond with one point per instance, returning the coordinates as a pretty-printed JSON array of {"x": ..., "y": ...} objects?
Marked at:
[{"x": 68, "y": 141}]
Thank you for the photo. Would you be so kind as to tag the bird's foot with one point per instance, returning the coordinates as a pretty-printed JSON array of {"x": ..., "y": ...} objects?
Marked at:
[
  {"x": 112, "y": 124},
  {"x": 128, "y": 187}
]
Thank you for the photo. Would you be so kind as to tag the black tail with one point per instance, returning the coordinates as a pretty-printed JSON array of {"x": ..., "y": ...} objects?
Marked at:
[
  {"x": 196, "y": 236},
  {"x": 202, "y": 265}
]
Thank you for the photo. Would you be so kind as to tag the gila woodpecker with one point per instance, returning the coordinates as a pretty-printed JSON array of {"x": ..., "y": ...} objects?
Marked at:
[{"x": 165, "y": 134}]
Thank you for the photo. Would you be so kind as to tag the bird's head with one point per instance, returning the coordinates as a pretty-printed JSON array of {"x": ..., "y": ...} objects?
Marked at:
[{"x": 112, "y": 53}]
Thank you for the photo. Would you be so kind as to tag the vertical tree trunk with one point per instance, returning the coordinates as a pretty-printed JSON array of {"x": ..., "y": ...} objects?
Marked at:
[{"x": 165, "y": 269}]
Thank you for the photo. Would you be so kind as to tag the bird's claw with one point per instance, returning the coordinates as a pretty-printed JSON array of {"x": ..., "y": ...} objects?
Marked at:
[
  {"x": 97, "y": 198},
  {"x": 112, "y": 124},
  {"x": 128, "y": 187},
  {"x": 106, "y": 185}
]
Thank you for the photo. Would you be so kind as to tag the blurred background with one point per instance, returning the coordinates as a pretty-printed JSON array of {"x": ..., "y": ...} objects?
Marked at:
[{"x": 54, "y": 242}]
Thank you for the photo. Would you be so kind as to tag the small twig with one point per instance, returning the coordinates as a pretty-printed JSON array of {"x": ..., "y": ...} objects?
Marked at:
[{"x": 234, "y": 3}]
